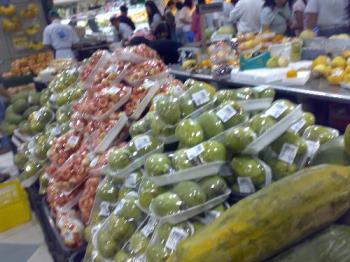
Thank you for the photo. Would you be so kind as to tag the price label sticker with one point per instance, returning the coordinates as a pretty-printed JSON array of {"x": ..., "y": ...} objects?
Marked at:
[
  {"x": 176, "y": 90},
  {"x": 226, "y": 113},
  {"x": 288, "y": 153},
  {"x": 119, "y": 206},
  {"x": 195, "y": 151},
  {"x": 147, "y": 84},
  {"x": 113, "y": 90},
  {"x": 104, "y": 209},
  {"x": 276, "y": 110},
  {"x": 68, "y": 236},
  {"x": 131, "y": 181},
  {"x": 245, "y": 185},
  {"x": 148, "y": 229},
  {"x": 210, "y": 217},
  {"x": 201, "y": 97},
  {"x": 297, "y": 126},
  {"x": 53, "y": 98},
  {"x": 30, "y": 99},
  {"x": 176, "y": 235},
  {"x": 142, "y": 142},
  {"x": 312, "y": 147},
  {"x": 72, "y": 142},
  {"x": 94, "y": 162}
]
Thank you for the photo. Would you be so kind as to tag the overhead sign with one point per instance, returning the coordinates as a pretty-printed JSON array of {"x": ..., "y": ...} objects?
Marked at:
[{"x": 210, "y": 8}]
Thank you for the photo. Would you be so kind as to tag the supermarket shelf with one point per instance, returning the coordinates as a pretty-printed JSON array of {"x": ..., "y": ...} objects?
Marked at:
[{"x": 317, "y": 88}]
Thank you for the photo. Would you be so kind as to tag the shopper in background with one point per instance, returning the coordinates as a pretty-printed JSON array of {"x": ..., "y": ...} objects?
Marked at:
[
  {"x": 186, "y": 21},
  {"x": 154, "y": 16},
  {"x": 298, "y": 16},
  {"x": 330, "y": 16},
  {"x": 246, "y": 14},
  {"x": 196, "y": 22},
  {"x": 122, "y": 31},
  {"x": 170, "y": 18},
  {"x": 60, "y": 37},
  {"x": 275, "y": 16},
  {"x": 178, "y": 23},
  {"x": 124, "y": 17}
]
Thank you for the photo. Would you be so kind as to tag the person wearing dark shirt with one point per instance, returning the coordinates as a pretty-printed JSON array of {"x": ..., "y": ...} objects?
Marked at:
[{"x": 123, "y": 18}]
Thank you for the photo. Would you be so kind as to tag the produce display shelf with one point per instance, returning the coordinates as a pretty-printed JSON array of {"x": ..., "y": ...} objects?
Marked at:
[{"x": 316, "y": 88}]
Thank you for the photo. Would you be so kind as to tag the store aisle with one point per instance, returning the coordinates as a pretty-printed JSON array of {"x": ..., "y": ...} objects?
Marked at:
[{"x": 24, "y": 243}]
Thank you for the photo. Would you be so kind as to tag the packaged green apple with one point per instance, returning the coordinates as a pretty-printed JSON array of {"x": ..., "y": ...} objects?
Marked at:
[
  {"x": 32, "y": 170},
  {"x": 250, "y": 174},
  {"x": 117, "y": 229},
  {"x": 124, "y": 160},
  {"x": 142, "y": 126},
  {"x": 200, "y": 161}
]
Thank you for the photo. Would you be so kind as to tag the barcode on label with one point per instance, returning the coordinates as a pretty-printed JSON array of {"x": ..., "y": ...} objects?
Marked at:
[
  {"x": 200, "y": 97},
  {"x": 312, "y": 147},
  {"x": 195, "y": 151},
  {"x": 72, "y": 141},
  {"x": 226, "y": 113},
  {"x": 176, "y": 235},
  {"x": 148, "y": 229},
  {"x": 131, "y": 181},
  {"x": 113, "y": 90},
  {"x": 210, "y": 217},
  {"x": 104, "y": 209},
  {"x": 276, "y": 110},
  {"x": 246, "y": 185},
  {"x": 288, "y": 153},
  {"x": 142, "y": 142},
  {"x": 297, "y": 126},
  {"x": 119, "y": 206}
]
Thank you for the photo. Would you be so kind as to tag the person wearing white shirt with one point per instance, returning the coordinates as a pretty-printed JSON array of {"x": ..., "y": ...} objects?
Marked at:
[
  {"x": 60, "y": 37},
  {"x": 330, "y": 16},
  {"x": 153, "y": 14},
  {"x": 246, "y": 14},
  {"x": 122, "y": 31}
]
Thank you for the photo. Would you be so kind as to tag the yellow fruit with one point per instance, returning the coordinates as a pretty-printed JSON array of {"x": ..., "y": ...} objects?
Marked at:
[
  {"x": 8, "y": 11},
  {"x": 339, "y": 61},
  {"x": 336, "y": 76},
  {"x": 283, "y": 62},
  {"x": 346, "y": 54},
  {"x": 321, "y": 60},
  {"x": 346, "y": 78},
  {"x": 307, "y": 34},
  {"x": 292, "y": 73},
  {"x": 319, "y": 70}
]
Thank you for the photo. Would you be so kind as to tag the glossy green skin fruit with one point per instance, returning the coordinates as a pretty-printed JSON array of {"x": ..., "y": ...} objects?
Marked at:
[
  {"x": 265, "y": 223},
  {"x": 260, "y": 123},
  {"x": 211, "y": 124},
  {"x": 290, "y": 138},
  {"x": 189, "y": 133},
  {"x": 158, "y": 164},
  {"x": 119, "y": 159},
  {"x": 213, "y": 151},
  {"x": 20, "y": 106},
  {"x": 167, "y": 204},
  {"x": 213, "y": 186},
  {"x": 237, "y": 139},
  {"x": 318, "y": 133},
  {"x": 168, "y": 109},
  {"x": 147, "y": 192},
  {"x": 180, "y": 160},
  {"x": 190, "y": 193},
  {"x": 249, "y": 167}
]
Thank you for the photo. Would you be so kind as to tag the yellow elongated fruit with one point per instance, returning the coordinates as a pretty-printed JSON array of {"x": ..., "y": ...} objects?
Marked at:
[{"x": 274, "y": 218}]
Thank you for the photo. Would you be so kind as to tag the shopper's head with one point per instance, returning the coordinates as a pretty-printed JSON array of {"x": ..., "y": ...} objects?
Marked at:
[
  {"x": 178, "y": 5},
  {"x": 170, "y": 5},
  {"x": 53, "y": 15},
  {"x": 275, "y": 3},
  {"x": 151, "y": 9},
  {"x": 162, "y": 31},
  {"x": 188, "y": 3},
  {"x": 124, "y": 10}
]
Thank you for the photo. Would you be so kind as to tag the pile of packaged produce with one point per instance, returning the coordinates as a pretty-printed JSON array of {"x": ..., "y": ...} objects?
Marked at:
[{"x": 133, "y": 162}]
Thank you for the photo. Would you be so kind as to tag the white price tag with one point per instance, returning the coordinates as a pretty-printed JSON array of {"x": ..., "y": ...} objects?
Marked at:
[
  {"x": 195, "y": 151},
  {"x": 72, "y": 141},
  {"x": 113, "y": 90},
  {"x": 297, "y": 126},
  {"x": 288, "y": 153},
  {"x": 30, "y": 99},
  {"x": 142, "y": 142},
  {"x": 53, "y": 98},
  {"x": 104, "y": 209},
  {"x": 312, "y": 147},
  {"x": 131, "y": 181},
  {"x": 132, "y": 194},
  {"x": 148, "y": 229},
  {"x": 176, "y": 90},
  {"x": 226, "y": 113},
  {"x": 210, "y": 217},
  {"x": 68, "y": 236},
  {"x": 176, "y": 235},
  {"x": 201, "y": 97},
  {"x": 276, "y": 110},
  {"x": 119, "y": 206},
  {"x": 94, "y": 162},
  {"x": 246, "y": 185}
]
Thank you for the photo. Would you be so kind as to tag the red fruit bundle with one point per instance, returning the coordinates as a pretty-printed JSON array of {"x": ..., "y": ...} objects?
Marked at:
[
  {"x": 90, "y": 65},
  {"x": 86, "y": 201}
]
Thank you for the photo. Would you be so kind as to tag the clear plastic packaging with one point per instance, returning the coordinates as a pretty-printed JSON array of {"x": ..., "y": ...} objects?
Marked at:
[
  {"x": 135, "y": 54},
  {"x": 87, "y": 198}
]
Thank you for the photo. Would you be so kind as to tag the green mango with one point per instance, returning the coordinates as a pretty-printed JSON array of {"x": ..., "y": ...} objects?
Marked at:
[
  {"x": 261, "y": 123},
  {"x": 290, "y": 138},
  {"x": 211, "y": 124},
  {"x": 20, "y": 159},
  {"x": 108, "y": 191},
  {"x": 187, "y": 105},
  {"x": 157, "y": 252},
  {"x": 30, "y": 169},
  {"x": 249, "y": 167},
  {"x": 168, "y": 109},
  {"x": 106, "y": 245},
  {"x": 213, "y": 186},
  {"x": 34, "y": 98},
  {"x": 19, "y": 106},
  {"x": 238, "y": 138},
  {"x": 190, "y": 193},
  {"x": 167, "y": 204},
  {"x": 244, "y": 93},
  {"x": 148, "y": 191},
  {"x": 122, "y": 256},
  {"x": 281, "y": 169},
  {"x": 189, "y": 133},
  {"x": 44, "y": 96},
  {"x": 319, "y": 133},
  {"x": 180, "y": 160},
  {"x": 213, "y": 151},
  {"x": 158, "y": 164},
  {"x": 130, "y": 210}
]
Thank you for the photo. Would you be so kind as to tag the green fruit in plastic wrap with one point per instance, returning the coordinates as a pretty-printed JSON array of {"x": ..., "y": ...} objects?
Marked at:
[
  {"x": 189, "y": 133},
  {"x": 187, "y": 106},
  {"x": 281, "y": 169},
  {"x": 120, "y": 229},
  {"x": 76, "y": 93},
  {"x": 261, "y": 123},
  {"x": 20, "y": 95},
  {"x": 166, "y": 204},
  {"x": 231, "y": 114},
  {"x": 249, "y": 167},
  {"x": 213, "y": 186},
  {"x": 63, "y": 114},
  {"x": 119, "y": 159},
  {"x": 225, "y": 95},
  {"x": 244, "y": 93},
  {"x": 158, "y": 164},
  {"x": 108, "y": 191},
  {"x": 213, "y": 151},
  {"x": 29, "y": 111},
  {"x": 148, "y": 191},
  {"x": 138, "y": 243},
  {"x": 129, "y": 209},
  {"x": 106, "y": 245},
  {"x": 168, "y": 109},
  {"x": 122, "y": 256},
  {"x": 211, "y": 124},
  {"x": 157, "y": 253},
  {"x": 87, "y": 233},
  {"x": 123, "y": 192},
  {"x": 267, "y": 93},
  {"x": 8, "y": 128},
  {"x": 44, "y": 96},
  {"x": 63, "y": 98},
  {"x": 19, "y": 106},
  {"x": 159, "y": 128},
  {"x": 238, "y": 138},
  {"x": 143, "y": 144},
  {"x": 290, "y": 138},
  {"x": 64, "y": 127},
  {"x": 30, "y": 169},
  {"x": 190, "y": 193},
  {"x": 180, "y": 160},
  {"x": 24, "y": 128},
  {"x": 319, "y": 133},
  {"x": 287, "y": 104},
  {"x": 199, "y": 86},
  {"x": 142, "y": 126},
  {"x": 20, "y": 159},
  {"x": 13, "y": 118},
  {"x": 33, "y": 98}
]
